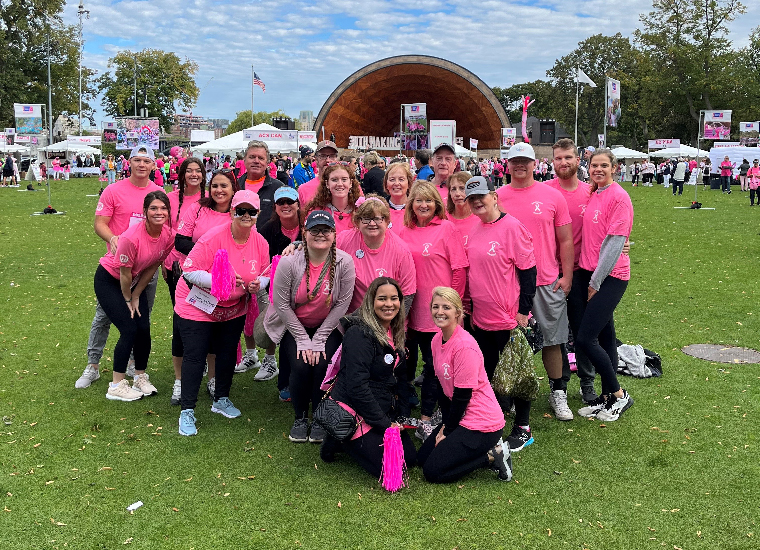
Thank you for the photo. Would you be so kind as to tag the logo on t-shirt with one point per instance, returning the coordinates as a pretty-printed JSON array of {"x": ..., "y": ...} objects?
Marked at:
[
  {"x": 381, "y": 272},
  {"x": 583, "y": 209},
  {"x": 100, "y": 207},
  {"x": 426, "y": 249},
  {"x": 123, "y": 258},
  {"x": 465, "y": 239},
  {"x": 188, "y": 262},
  {"x": 181, "y": 225},
  {"x": 596, "y": 216},
  {"x": 537, "y": 207},
  {"x": 446, "y": 374},
  {"x": 492, "y": 250},
  {"x": 253, "y": 265}
]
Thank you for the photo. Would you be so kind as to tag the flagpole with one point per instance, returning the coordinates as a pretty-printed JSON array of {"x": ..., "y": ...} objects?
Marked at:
[
  {"x": 577, "y": 87},
  {"x": 252, "y": 73},
  {"x": 606, "y": 87}
]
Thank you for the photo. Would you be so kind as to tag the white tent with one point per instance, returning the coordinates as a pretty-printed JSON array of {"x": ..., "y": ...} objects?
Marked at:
[
  {"x": 15, "y": 148},
  {"x": 626, "y": 153},
  {"x": 462, "y": 152},
  {"x": 67, "y": 146},
  {"x": 682, "y": 151},
  {"x": 236, "y": 142}
]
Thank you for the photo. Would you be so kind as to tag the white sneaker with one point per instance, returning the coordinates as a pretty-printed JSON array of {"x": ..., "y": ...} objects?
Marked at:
[
  {"x": 89, "y": 376},
  {"x": 614, "y": 407},
  {"x": 123, "y": 392},
  {"x": 131, "y": 368},
  {"x": 558, "y": 403},
  {"x": 268, "y": 369},
  {"x": 250, "y": 361},
  {"x": 176, "y": 393},
  {"x": 592, "y": 408},
  {"x": 142, "y": 384}
]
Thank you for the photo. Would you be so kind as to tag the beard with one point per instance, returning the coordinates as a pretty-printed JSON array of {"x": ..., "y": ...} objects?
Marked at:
[{"x": 566, "y": 173}]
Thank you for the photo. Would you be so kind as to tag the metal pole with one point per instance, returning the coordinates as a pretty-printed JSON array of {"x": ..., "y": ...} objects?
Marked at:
[
  {"x": 80, "y": 66},
  {"x": 577, "y": 87},
  {"x": 135, "y": 84},
  {"x": 50, "y": 113},
  {"x": 605, "y": 110},
  {"x": 252, "y": 73},
  {"x": 699, "y": 129},
  {"x": 401, "y": 129}
]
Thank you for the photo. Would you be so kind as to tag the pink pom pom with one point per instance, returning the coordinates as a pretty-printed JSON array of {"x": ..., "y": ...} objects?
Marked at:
[
  {"x": 239, "y": 354},
  {"x": 250, "y": 316},
  {"x": 222, "y": 276},
  {"x": 393, "y": 473}
]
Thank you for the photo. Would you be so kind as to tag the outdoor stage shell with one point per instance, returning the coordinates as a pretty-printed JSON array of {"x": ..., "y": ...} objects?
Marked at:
[{"x": 368, "y": 103}]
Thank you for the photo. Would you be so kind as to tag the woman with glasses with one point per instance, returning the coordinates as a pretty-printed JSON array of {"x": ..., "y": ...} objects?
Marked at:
[
  {"x": 203, "y": 216},
  {"x": 311, "y": 291},
  {"x": 205, "y": 319},
  {"x": 397, "y": 182},
  {"x": 111, "y": 169},
  {"x": 337, "y": 193},
  {"x": 439, "y": 260}
]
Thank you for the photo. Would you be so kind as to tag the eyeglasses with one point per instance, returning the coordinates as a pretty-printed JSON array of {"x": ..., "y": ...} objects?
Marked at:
[
  {"x": 330, "y": 157},
  {"x": 285, "y": 202},
  {"x": 378, "y": 220},
  {"x": 222, "y": 171},
  {"x": 240, "y": 211},
  {"x": 316, "y": 231}
]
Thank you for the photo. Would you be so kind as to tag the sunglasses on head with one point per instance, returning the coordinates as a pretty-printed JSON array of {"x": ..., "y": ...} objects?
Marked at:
[
  {"x": 222, "y": 171},
  {"x": 241, "y": 211},
  {"x": 285, "y": 202}
]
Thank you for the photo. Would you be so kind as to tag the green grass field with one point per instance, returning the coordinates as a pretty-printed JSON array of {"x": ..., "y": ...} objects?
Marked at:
[{"x": 676, "y": 472}]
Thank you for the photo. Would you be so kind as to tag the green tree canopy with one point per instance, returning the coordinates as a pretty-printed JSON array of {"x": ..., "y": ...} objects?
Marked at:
[{"x": 243, "y": 120}]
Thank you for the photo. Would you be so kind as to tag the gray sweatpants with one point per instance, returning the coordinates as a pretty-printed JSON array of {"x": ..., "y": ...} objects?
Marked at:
[{"x": 101, "y": 325}]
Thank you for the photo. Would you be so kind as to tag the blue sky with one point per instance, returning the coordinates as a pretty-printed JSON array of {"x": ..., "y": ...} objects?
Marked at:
[{"x": 302, "y": 50}]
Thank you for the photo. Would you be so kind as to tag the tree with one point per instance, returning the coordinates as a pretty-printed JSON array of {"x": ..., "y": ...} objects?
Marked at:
[
  {"x": 162, "y": 78},
  {"x": 24, "y": 29},
  {"x": 243, "y": 120},
  {"x": 540, "y": 90}
]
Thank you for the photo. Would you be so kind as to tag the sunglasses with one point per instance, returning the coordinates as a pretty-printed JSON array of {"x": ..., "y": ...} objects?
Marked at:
[
  {"x": 222, "y": 171},
  {"x": 316, "y": 231},
  {"x": 285, "y": 202},
  {"x": 240, "y": 211}
]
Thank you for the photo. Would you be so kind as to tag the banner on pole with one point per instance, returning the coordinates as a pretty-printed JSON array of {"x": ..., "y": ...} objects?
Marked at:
[
  {"x": 23, "y": 139},
  {"x": 109, "y": 136},
  {"x": 28, "y": 118},
  {"x": 270, "y": 135},
  {"x": 749, "y": 134},
  {"x": 664, "y": 143},
  {"x": 203, "y": 136},
  {"x": 717, "y": 125},
  {"x": 109, "y": 125},
  {"x": 415, "y": 115},
  {"x": 84, "y": 140},
  {"x": 442, "y": 131},
  {"x": 310, "y": 137},
  {"x": 602, "y": 142},
  {"x": 508, "y": 137},
  {"x": 134, "y": 131},
  {"x": 613, "y": 102},
  {"x": 473, "y": 143}
]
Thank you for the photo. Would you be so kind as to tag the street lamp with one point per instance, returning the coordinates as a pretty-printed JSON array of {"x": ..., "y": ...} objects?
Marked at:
[{"x": 86, "y": 14}]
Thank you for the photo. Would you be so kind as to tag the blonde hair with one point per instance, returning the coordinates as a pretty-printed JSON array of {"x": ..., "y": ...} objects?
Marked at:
[
  {"x": 462, "y": 176},
  {"x": 407, "y": 172},
  {"x": 371, "y": 158},
  {"x": 450, "y": 295},
  {"x": 366, "y": 313},
  {"x": 374, "y": 205},
  {"x": 423, "y": 190}
]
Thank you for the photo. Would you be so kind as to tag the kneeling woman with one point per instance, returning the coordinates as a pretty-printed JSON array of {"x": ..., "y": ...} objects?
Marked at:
[
  {"x": 469, "y": 437},
  {"x": 203, "y": 319},
  {"x": 312, "y": 290},
  {"x": 120, "y": 281},
  {"x": 372, "y": 377}
]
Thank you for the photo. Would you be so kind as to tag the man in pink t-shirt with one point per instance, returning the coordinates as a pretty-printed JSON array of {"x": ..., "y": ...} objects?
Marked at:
[
  {"x": 326, "y": 153},
  {"x": 544, "y": 213},
  {"x": 443, "y": 163},
  {"x": 119, "y": 207}
]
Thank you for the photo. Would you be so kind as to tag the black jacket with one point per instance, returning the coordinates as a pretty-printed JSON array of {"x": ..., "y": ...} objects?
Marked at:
[
  {"x": 373, "y": 181},
  {"x": 272, "y": 233},
  {"x": 366, "y": 382},
  {"x": 266, "y": 196}
]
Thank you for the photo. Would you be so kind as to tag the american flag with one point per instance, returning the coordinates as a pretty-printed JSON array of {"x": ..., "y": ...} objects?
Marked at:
[{"x": 258, "y": 82}]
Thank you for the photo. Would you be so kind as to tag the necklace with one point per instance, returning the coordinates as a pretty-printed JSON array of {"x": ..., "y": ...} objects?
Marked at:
[{"x": 339, "y": 211}]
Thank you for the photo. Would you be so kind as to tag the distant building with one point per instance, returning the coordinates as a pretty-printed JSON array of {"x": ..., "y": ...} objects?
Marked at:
[
  {"x": 63, "y": 126},
  {"x": 306, "y": 120},
  {"x": 185, "y": 123}
]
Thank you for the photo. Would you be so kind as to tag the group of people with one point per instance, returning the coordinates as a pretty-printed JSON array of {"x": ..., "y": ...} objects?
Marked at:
[{"x": 374, "y": 278}]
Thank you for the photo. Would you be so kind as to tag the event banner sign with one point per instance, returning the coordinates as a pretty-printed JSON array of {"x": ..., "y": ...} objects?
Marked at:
[
  {"x": 84, "y": 140},
  {"x": 134, "y": 131},
  {"x": 415, "y": 118},
  {"x": 473, "y": 143},
  {"x": 664, "y": 143},
  {"x": 374, "y": 142},
  {"x": 442, "y": 131},
  {"x": 109, "y": 125},
  {"x": 22, "y": 139},
  {"x": 717, "y": 125},
  {"x": 508, "y": 137},
  {"x": 203, "y": 136},
  {"x": 270, "y": 135},
  {"x": 28, "y": 118},
  {"x": 109, "y": 136},
  {"x": 749, "y": 134},
  {"x": 613, "y": 102},
  {"x": 602, "y": 141},
  {"x": 309, "y": 137}
]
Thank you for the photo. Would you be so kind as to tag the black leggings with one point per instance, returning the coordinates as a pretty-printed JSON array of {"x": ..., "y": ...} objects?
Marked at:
[
  {"x": 419, "y": 343},
  {"x": 596, "y": 335},
  {"x": 576, "y": 305},
  {"x": 491, "y": 344},
  {"x": 367, "y": 451},
  {"x": 197, "y": 337},
  {"x": 134, "y": 333},
  {"x": 305, "y": 379},
  {"x": 461, "y": 452},
  {"x": 752, "y": 193},
  {"x": 177, "y": 348}
]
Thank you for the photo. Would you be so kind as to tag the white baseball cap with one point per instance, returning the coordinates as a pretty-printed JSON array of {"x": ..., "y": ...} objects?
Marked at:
[{"x": 521, "y": 149}]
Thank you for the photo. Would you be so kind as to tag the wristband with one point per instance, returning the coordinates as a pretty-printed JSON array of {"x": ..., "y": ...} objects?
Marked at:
[{"x": 127, "y": 300}]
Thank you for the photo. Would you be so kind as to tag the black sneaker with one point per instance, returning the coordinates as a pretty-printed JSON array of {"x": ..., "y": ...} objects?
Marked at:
[
  {"x": 300, "y": 430},
  {"x": 593, "y": 407},
  {"x": 614, "y": 407},
  {"x": 328, "y": 448},
  {"x": 588, "y": 393},
  {"x": 317, "y": 434},
  {"x": 519, "y": 438},
  {"x": 502, "y": 461}
]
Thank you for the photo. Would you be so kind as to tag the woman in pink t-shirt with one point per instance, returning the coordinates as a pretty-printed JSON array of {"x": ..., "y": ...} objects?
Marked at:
[
  {"x": 120, "y": 281},
  {"x": 397, "y": 182},
  {"x": 458, "y": 210},
  {"x": 753, "y": 182},
  {"x": 604, "y": 271},
  {"x": 439, "y": 259},
  {"x": 726, "y": 174},
  {"x": 337, "y": 193},
  {"x": 502, "y": 283},
  {"x": 311, "y": 292},
  {"x": 206, "y": 319},
  {"x": 469, "y": 437}
]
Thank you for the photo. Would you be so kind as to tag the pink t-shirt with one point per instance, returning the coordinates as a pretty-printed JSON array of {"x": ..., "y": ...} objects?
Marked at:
[
  {"x": 540, "y": 209},
  {"x": 272, "y": 170},
  {"x": 443, "y": 190},
  {"x": 198, "y": 220},
  {"x": 692, "y": 165},
  {"x": 138, "y": 250},
  {"x": 248, "y": 260},
  {"x": 437, "y": 250},
  {"x": 465, "y": 226},
  {"x": 123, "y": 203},
  {"x": 392, "y": 259},
  {"x": 290, "y": 233},
  {"x": 187, "y": 202},
  {"x": 726, "y": 168},
  {"x": 239, "y": 167},
  {"x": 397, "y": 220},
  {"x": 459, "y": 363},
  {"x": 254, "y": 185},
  {"x": 495, "y": 251},
  {"x": 312, "y": 313},
  {"x": 753, "y": 177},
  {"x": 159, "y": 177},
  {"x": 609, "y": 212},
  {"x": 307, "y": 191},
  {"x": 576, "y": 205}
]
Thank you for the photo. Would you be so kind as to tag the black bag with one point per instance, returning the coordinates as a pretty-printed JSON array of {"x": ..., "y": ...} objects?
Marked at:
[
  {"x": 336, "y": 420},
  {"x": 534, "y": 335}
]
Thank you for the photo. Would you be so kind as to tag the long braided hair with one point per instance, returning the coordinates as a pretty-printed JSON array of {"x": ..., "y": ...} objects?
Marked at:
[
  {"x": 332, "y": 258},
  {"x": 181, "y": 179}
]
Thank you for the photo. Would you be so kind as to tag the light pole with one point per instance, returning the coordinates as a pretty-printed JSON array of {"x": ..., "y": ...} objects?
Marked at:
[{"x": 86, "y": 14}]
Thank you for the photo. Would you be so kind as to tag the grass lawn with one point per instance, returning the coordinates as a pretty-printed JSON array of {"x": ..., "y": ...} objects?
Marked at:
[{"x": 677, "y": 472}]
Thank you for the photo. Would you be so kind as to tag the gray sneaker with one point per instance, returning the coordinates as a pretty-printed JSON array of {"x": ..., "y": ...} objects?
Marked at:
[
  {"x": 437, "y": 418},
  {"x": 317, "y": 434},
  {"x": 89, "y": 376},
  {"x": 299, "y": 431},
  {"x": 176, "y": 393},
  {"x": 424, "y": 430},
  {"x": 588, "y": 393},
  {"x": 268, "y": 369}
]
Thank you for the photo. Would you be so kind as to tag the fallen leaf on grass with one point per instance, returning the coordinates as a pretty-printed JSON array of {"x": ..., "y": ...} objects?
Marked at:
[
  {"x": 59, "y": 523},
  {"x": 175, "y": 509},
  {"x": 340, "y": 505},
  {"x": 128, "y": 541}
]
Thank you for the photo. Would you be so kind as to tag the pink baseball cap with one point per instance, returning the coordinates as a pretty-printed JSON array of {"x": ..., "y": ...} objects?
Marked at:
[{"x": 246, "y": 196}]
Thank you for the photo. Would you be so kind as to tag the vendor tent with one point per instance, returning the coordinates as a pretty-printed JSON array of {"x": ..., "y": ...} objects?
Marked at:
[
  {"x": 462, "y": 152},
  {"x": 70, "y": 147},
  {"x": 626, "y": 153},
  {"x": 13, "y": 148},
  {"x": 236, "y": 142},
  {"x": 682, "y": 151}
]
